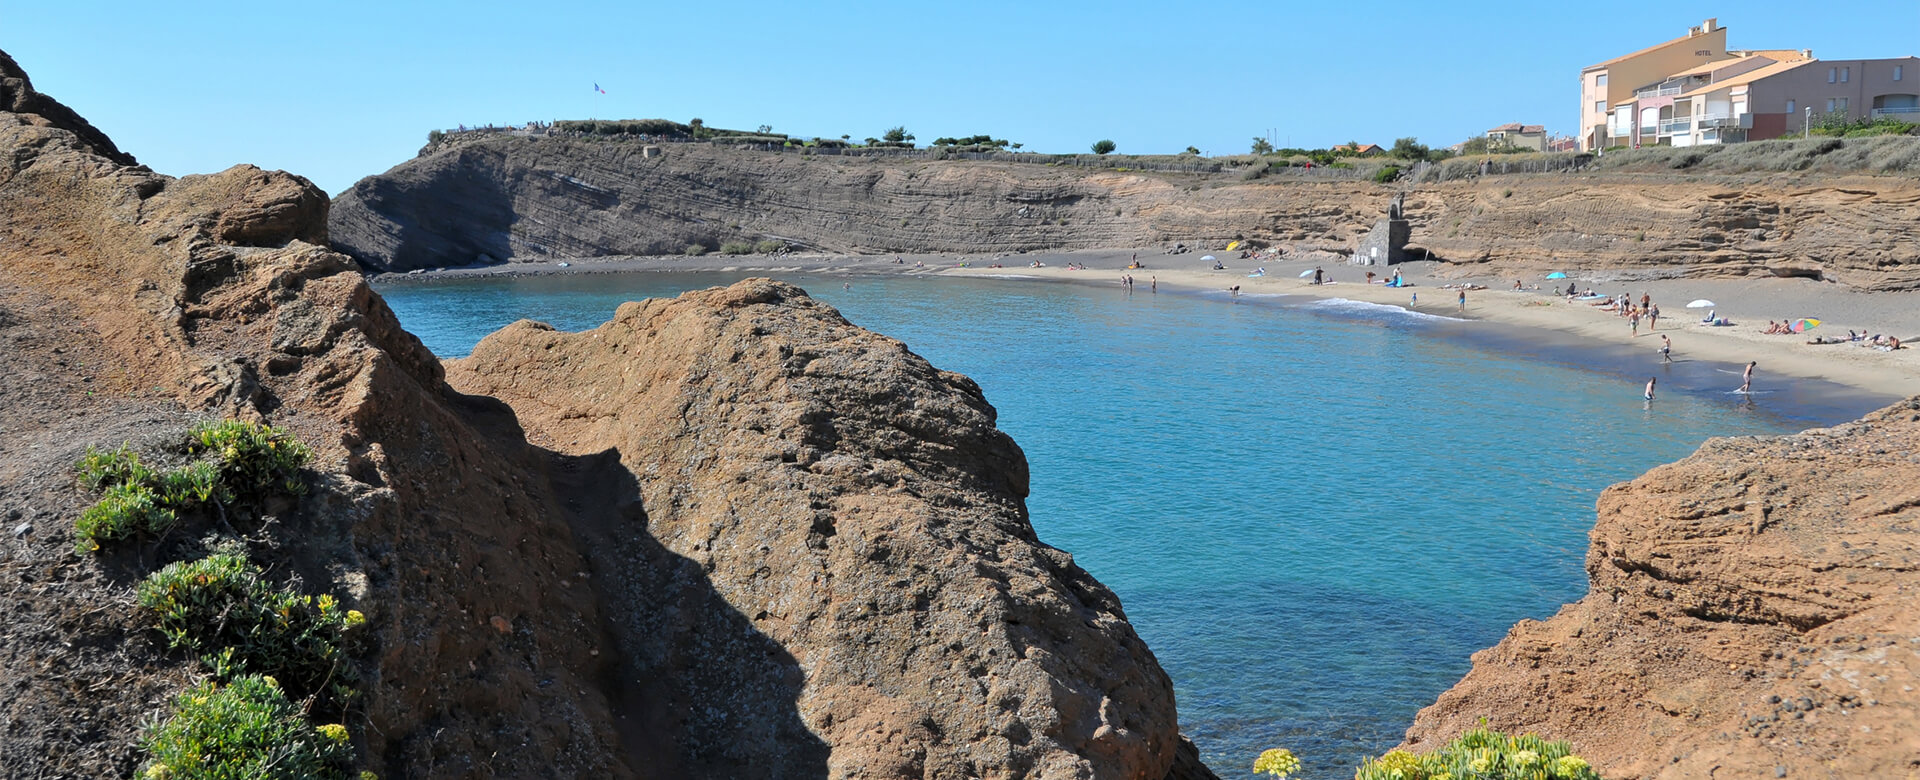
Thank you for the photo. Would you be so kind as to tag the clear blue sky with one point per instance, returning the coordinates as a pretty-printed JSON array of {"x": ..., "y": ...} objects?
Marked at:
[{"x": 339, "y": 90}]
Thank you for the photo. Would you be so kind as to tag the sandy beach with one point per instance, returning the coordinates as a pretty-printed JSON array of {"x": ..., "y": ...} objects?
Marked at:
[{"x": 1748, "y": 303}]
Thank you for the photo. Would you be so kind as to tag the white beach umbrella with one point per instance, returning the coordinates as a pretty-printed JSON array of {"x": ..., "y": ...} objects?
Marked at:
[
  {"x": 1702, "y": 304},
  {"x": 1208, "y": 257},
  {"x": 1306, "y": 273}
]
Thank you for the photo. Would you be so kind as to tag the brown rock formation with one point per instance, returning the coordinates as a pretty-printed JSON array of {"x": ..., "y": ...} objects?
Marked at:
[
  {"x": 1754, "y": 612},
  {"x": 876, "y": 606},
  {"x": 129, "y": 309},
  {"x": 496, "y": 198},
  {"x": 883, "y": 527}
]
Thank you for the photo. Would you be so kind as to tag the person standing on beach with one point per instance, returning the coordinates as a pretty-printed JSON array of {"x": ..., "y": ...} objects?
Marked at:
[
  {"x": 1666, "y": 349},
  {"x": 1633, "y": 318},
  {"x": 1463, "y": 300},
  {"x": 1318, "y": 275},
  {"x": 1650, "y": 381},
  {"x": 1645, "y": 299},
  {"x": 1653, "y": 318},
  {"x": 1746, "y": 379}
]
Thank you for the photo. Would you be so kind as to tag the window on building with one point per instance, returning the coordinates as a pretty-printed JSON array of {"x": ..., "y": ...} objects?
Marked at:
[
  {"x": 1845, "y": 73},
  {"x": 1897, "y": 71},
  {"x": 1840, "y": 105},
  {"x": 1599, "y": 106},
  {"x": 1833, "y": 74},
  {"x": 1829, "y": 105},
  {"x": 1790, "y": 106},
  {"x": 1601, "y": 80}
]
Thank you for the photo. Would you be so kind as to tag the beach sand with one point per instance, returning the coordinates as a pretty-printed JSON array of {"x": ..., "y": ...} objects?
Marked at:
[{"x": 1749, "y": 303}]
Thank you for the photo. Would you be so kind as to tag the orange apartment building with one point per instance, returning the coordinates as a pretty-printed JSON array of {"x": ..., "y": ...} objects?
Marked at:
[{"x": 1693, "y": 90}]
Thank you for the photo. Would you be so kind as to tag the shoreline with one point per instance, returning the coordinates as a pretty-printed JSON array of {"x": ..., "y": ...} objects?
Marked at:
[{"x": 1743, "y": 301}]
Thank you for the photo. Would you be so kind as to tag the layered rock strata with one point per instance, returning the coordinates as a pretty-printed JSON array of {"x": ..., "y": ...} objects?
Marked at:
[
  {"x": 844, "y": 590},
  {"x": 498, "y": 198},
  {"x": 1754, "y": 612}
]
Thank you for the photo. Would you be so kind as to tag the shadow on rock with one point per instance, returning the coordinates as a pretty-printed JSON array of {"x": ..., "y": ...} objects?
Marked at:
[{"x": 701, "y": 692}]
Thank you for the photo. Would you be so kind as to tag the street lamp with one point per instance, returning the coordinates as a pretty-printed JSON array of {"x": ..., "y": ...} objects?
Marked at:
[{"x": 1806, "y": 130}]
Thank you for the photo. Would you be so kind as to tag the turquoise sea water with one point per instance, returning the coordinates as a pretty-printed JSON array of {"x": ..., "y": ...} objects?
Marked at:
[{"x": 1312, "y": 511}]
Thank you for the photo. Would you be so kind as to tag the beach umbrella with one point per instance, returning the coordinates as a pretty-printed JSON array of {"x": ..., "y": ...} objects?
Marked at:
[
  {"x": 1556, "y": 275},
  {"x": 1702, "y": 304},
  {"x": 1208, "y": 257},
  {"x": 1802, "y": 326},
  {"x": 1306, "y": 273}
]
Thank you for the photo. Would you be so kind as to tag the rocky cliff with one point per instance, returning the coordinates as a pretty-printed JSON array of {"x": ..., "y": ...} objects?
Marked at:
[
  {"x": 1754, "y": 612},
  {"x": 790, "y": 566},
  {"x": 498, "y": 197}
]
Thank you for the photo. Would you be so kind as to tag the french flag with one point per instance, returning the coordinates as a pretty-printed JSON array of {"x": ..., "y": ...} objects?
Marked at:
[{"x": 596, "y": 88}]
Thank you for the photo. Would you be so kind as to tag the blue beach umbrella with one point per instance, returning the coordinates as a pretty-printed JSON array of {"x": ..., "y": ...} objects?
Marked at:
[{"x": 1556, "y": 275}]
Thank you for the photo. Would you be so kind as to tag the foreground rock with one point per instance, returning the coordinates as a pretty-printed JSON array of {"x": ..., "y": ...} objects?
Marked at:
[
  {"x": 1754, "y": 612},
  {"x": 855, "y": 506},
  {"x": 780, "y": 547},
  {"x": 491, "y": 198}
]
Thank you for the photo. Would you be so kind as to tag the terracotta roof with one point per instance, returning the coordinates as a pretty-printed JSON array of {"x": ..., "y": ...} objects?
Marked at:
[
  {"x": 1777, "y": 55},
  {"x": 1746, "y": 78},
  {"x": 1656, "y": 47},
  {"x": 1516, "y": 127}
]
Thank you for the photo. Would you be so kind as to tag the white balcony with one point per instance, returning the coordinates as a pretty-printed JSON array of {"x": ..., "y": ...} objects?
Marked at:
[
  {"x": 1676, "y": 126},
  {"x": 1654, "y": 92}
]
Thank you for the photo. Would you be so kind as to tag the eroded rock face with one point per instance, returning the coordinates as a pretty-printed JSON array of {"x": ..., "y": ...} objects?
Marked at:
[
  {"x": 1754, "y": 612},
  {"x": 857, "y": 507},
  {"x": 496, "y": 198}
]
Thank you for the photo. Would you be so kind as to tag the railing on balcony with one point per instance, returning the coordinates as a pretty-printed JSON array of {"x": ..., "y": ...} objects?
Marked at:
[
  {"x": 1653, "y": 92},
  {"x": 1903, "y": 112},
  {"x": 1672, "y": 126},
  {"x": 1719, "y": 119}
]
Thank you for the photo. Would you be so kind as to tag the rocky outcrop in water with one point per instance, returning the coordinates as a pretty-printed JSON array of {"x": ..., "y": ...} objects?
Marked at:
[
  {"x": 845, "y": 590},
  {"x": 1754, "y": 612},
  {"x": 859, "y": 508},
  {"x": 496, "y": 198}
]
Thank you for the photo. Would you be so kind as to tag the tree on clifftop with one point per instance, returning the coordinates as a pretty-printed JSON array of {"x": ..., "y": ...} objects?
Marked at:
[
  {"x": 897, "y": 135},
  {"x": 1410, "y": 148},
  {"x": 1104, "y": 146},
  {"x": 1262, "y": 146}
]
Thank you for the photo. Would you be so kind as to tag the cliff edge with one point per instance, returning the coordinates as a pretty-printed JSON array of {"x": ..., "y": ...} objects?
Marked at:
[
  {"x": 1754, "y": 612},
  {"x": 497, "y": 198},
  {"x": 756, "y": 571}
]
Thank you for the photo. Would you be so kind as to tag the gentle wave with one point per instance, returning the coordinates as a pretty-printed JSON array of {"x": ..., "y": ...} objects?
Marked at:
[{"x": 1383, "y": 312}]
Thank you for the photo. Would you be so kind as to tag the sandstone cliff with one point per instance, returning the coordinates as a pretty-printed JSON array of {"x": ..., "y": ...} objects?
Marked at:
[
  {"x": 496, "y": 198},
  {"x": 845, "y": 590},
  {"x": 1754, "y": 612}
]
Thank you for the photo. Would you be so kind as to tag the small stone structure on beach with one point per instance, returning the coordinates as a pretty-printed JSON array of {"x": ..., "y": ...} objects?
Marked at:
[{"x": 1386, "y": 244}]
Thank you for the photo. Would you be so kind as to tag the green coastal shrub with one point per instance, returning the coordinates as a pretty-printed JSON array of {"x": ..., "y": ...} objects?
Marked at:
[
  {"x": 101, "y": 469},
  {"x": 736, "y": 248},
  {"x": 223, "y": 610},
  {"x": 1386, "y": 174},
  {"x": 241, "y": 463},
  {"x": 768, "y": 247},
  {"x": 1482, "y": 754},
  {"x": 245, "y": 730},
  {"x": 694, "y": 250},
  {"x": 126, "y": 510},
  {"x": 255, "y": 460}
]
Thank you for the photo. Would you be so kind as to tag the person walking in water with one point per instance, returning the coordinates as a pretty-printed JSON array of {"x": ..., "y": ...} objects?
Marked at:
[
  {"x": 1746, "y": 379},
  {"x": 1153, "y": 284},
  {"x": 1650, "y": 382},
  {"x": 1666, "y": 349}
]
